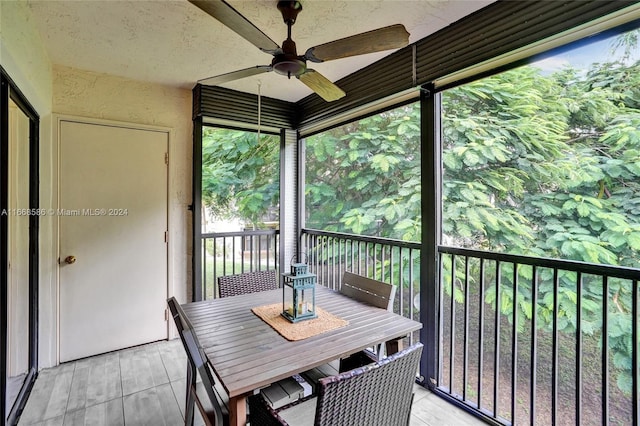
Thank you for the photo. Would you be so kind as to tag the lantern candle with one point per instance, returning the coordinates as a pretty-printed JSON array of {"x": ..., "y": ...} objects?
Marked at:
[{"x": 299, "y": 294}]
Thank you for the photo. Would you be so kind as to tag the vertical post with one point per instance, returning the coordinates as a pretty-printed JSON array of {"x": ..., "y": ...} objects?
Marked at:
[
  {"x": 481, "y": 332},
  {"x": 204, "y": 270},
  {"x": 554, "y": 348},
  {"x": 496, "y": 340},
  {"x": 514, "y": 344},
  {"x": 605, "y": 350},
  {"x": 196, "y": 212},
  {"x": 534, "y": 347},
  {"x": 4, "y": 242},
  {"x": 578, "y": 367},
  {"x": 634, "y": 352},
  {"x": 289, "y": 198},
  {"x": 9, "y": 91},
  {"x": 452, "y": 327},
  {"x": 431, "y": 228},
  {"x": 300, "y": 182},
  {"x": 465, "y": 359}
]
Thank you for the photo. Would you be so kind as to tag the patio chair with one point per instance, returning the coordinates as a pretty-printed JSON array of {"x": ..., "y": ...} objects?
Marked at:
[
  {"x": 379, "y": 394},
  {"x": 375, "y": 293},
  {"x": 210, "y": 402},
  {"x": 248, "y": 282}
]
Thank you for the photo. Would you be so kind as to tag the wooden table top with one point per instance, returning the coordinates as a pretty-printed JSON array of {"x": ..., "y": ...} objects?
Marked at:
[{"x": 247, "y": 354}]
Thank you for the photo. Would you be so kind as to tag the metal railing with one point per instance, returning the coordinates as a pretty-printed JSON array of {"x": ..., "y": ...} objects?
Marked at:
[
  {"x": 229, "y": 253},
  {"x": 521, "y": 340},
  {"x": 538, "y": 341},
  {"x": 396, "y": 262}
]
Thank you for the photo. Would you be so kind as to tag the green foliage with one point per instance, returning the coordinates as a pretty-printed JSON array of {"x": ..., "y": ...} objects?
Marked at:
[
  {"x": 240, "y": 174},
  {"x": 549, "y": 165},
  {"x": 364, "y": 177}
]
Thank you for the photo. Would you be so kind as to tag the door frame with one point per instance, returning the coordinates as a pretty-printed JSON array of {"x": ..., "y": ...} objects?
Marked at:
[
  {"x": 9, "y": 90},
  {"x": 56, "y": 138}
]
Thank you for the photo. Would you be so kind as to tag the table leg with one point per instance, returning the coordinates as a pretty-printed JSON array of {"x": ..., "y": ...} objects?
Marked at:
[
  {"x": 393, "y": 346},
  {"x": 238, "y": 410}
]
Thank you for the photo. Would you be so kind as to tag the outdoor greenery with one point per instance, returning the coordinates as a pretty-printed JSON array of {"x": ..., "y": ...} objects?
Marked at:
[
  {"x": 364, "y": 177},
  {"x": 240, "y": 174},
  {"x": 549, "y": 166},
  {"x": 539, "y": 164}
]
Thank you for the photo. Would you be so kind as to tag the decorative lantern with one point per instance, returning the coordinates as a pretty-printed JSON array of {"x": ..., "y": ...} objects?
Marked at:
[{"x": 299, "y": 294}]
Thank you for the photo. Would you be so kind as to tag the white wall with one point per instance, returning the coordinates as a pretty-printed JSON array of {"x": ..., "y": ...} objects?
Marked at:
[
  {"x": 23, "y": 57},
  {"x": 60, "y": 90},
  {"x": 106, "y": 97}
]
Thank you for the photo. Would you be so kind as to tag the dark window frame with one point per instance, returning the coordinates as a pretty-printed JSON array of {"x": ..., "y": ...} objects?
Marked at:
[
  {"x": 9, "y": 90},
  {"x": 196, "y": 207}
]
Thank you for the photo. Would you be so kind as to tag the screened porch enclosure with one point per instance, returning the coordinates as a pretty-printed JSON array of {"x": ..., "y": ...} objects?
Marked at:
[{"x": 502, "y": 202}]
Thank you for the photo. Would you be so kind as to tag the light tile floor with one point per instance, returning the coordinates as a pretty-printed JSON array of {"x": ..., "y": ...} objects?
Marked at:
[{"x": 145, "y": 386}]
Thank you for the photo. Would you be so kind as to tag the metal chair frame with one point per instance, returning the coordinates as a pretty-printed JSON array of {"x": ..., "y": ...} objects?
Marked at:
[{"x": 210, "y": 404}]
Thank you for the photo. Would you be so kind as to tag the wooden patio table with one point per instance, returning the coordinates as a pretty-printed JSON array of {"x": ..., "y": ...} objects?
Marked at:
[{"x": 247, "y": 354}]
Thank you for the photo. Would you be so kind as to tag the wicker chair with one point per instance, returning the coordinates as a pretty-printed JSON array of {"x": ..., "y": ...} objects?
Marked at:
[
  {"x": 248, "y": 282},
  {"x": 211, "y": 403},
  {"x": 379, "y": 394}
]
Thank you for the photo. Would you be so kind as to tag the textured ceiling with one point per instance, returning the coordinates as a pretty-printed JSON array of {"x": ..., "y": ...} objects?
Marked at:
[{"x": 175, "y": 43}]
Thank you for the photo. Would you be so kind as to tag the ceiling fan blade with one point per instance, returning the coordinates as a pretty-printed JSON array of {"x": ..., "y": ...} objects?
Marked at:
[
  {"x": 321, "y": 85},
  {"x": 235, "y": 75},
  {"x": 231, "y": 18},
  {"x": 392, "y": 37}
]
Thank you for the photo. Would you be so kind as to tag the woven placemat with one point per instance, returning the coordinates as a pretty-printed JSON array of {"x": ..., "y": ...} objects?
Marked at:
[{"x": 299, "y": 330}]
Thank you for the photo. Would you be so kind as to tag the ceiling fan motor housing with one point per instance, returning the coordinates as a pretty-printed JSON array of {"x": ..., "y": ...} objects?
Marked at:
[
  {"x": 288, "y": 62},
  {"x": 289, "y": 65}
]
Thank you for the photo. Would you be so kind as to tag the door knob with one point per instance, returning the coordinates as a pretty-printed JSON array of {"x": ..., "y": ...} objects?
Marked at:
[{"x": 70, "y": 259}]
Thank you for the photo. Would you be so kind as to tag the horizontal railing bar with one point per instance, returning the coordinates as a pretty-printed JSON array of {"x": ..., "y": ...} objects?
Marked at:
[
  {"x": 486, "y": 415},
  {"x": 241, "y": 233},
  {"x": 567, "y": 265},
  {"x": 364, "y": 238}
]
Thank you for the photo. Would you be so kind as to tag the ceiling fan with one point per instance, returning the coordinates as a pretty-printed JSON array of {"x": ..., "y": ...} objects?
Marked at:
[{"x": 286, "y": 60}]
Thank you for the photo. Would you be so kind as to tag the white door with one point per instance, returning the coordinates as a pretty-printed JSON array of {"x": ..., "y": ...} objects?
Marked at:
[{"x": 113, "y": 254}]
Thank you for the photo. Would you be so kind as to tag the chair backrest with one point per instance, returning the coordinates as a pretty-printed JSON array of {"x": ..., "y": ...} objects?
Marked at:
[
  {"x": 196, "y": 358},
  {"x": 373, "y": 292},
  {"x": 378, "y": 394},
  {"x": 248, "y": 282}
]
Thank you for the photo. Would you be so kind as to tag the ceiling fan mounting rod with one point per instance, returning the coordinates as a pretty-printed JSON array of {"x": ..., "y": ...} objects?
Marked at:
[
  {"x": 288, "y": 62},
  {"x": 289, "y": 10}
]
